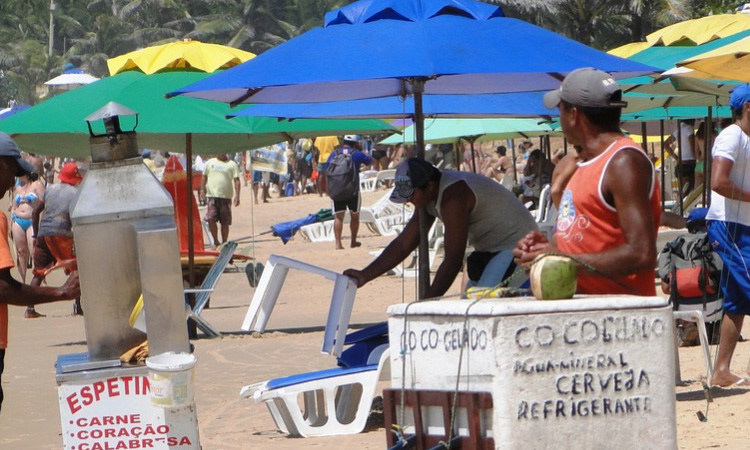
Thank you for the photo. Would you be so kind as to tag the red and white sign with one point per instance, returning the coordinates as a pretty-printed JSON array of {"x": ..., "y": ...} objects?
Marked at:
[{"x": 116, "y": 413}]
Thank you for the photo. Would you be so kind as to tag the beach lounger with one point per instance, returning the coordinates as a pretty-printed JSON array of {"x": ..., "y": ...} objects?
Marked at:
[
  {"x": 384, "y": 176},
  {"x": 318, "y": 232},
  {"x": 546, "y": 214},
  {"x": 269, "y": 287},
  {"x": 203, "y": 293},
  {"x": 334, "y": 401},
  {"x": 382, "y": 217},
  {"x": 365, "y": 346},
  {"x": 368, "y": 181}
]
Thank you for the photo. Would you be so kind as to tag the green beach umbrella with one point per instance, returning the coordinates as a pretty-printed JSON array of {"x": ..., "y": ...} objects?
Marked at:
[
  {"x": 449, "y": 131},
  {"x": 57, "y": 127}
]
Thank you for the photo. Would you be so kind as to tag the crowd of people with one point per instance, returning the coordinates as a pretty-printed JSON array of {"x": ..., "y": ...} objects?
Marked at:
[{"x": 606, "y": 193}]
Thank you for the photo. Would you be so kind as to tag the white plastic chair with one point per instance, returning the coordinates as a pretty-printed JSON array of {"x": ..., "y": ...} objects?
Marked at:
[
  {"x": 382, "y": 217},
  {"x": 697, "y": 317},
  {"x": 368, "y": 181},
  {"x": 208, "y": 240},
  {"x": 318, "y": 232},
  {"x": 545, "y": 199},
  {"x": 334, "y": 402},
  {"x": 384, "y": 176},
  {"x": 269, "y": 287}
]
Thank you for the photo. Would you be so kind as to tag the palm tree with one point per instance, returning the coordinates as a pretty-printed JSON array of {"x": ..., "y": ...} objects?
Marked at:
[
  {"x": 591, "y": 22},
  {"x": 651, "y": 15}
]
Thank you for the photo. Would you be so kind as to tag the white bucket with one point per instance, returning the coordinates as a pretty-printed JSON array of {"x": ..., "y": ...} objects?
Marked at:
[{"x": 171, "y": 378}]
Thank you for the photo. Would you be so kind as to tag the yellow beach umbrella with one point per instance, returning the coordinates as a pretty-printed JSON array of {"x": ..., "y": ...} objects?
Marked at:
[
  {"x": 730, "y": 62},
  {"x": 180, "y": 54},
  {"x": 699, "y": 31},
  {"x": 628, "y": 50}
]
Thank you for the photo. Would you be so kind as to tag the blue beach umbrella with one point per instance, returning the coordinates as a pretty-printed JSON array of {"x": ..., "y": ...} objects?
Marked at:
[
  {"x": 381, "y": 48},
  {"x": 403, "y": 48},
  {"x": 525, "y": 104}
]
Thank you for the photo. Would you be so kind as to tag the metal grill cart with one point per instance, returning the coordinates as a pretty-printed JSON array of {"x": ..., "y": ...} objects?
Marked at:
[{"x": 126, "y": 245}]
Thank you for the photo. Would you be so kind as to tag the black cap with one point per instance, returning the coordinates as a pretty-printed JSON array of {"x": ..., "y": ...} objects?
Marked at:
[
  {"x": 411, "y": 174},
  {"x": 8, "y": 147}
]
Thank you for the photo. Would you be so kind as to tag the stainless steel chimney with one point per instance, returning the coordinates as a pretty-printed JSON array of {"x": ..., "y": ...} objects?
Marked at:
[{"x": 126, "y": 245}]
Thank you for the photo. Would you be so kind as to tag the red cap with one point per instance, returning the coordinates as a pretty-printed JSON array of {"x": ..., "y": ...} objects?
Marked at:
[{"x": 70, "y": 174}]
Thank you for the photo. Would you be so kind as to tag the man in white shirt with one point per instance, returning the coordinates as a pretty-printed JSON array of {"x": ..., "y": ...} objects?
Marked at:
[{"x": 728, "y": 221}]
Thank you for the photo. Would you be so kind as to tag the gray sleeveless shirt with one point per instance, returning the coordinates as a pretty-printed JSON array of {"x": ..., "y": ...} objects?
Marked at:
[{"x": 498, "y": 220}]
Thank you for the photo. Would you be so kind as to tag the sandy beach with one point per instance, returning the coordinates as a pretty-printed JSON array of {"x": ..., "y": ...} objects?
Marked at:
[{"x": 31, "y": 417}]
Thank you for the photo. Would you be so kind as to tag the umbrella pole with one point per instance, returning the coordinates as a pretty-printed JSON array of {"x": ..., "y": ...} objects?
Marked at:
[
  {"x": 513, "y": 155},
  {"x": 679, "y": 167},
  {"x": 473, "y": 159},
  {"x": 424, "y": 258},
  {"x": 192, "y": 332},
  {"x": 663, "y": 166},
  {"x": 707, "y": 135}
]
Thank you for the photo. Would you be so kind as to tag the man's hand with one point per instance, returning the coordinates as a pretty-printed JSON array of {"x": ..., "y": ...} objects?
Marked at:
[
  {"x": 236, "y": 200},
  {"x": 357, "y": 275},
  {"x": 72, "y": 287},
  {"x": 531, "y": 246}
]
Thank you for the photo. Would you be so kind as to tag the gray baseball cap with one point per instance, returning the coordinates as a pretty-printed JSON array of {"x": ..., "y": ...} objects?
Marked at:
[
  {"x": 8, "y": 147},
  {"x": 587, "y": 87}
]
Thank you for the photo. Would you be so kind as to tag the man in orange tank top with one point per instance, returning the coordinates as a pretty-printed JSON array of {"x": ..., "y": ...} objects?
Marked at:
[{"x": 610, "y": 207}]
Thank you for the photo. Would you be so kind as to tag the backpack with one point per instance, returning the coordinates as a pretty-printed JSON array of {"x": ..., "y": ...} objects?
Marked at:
[
  {"x": 342, "y": 177},
  {"x": 692, "y": 269}
]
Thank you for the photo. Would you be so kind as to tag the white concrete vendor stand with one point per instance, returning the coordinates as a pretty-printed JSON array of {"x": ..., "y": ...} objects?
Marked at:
[{"x": 585, "y": 373}]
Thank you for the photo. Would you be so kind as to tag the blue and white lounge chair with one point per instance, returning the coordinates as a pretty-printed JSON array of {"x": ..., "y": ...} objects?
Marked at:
[
  {"x": 269, "y": 287},
  {"x": 334, "y": 401}
]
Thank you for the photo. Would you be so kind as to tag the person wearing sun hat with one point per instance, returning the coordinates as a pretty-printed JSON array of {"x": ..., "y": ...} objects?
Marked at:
[
  {"x": 53, "y": 229},
  {"x": 728, "y": 223},
  {"x": 610, "y": 206},
  {"x": 473, "y": 208},
  {"x": 11, "y": 291}
]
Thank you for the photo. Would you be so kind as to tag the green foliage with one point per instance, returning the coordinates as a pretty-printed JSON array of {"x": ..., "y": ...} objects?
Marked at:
[{"x": 88, "y": 32}]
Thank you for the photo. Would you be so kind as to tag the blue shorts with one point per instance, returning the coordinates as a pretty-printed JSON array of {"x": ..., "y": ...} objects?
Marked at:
[
  {"x": 732, "y": 243},
  {"x": 499, "y": 268}
]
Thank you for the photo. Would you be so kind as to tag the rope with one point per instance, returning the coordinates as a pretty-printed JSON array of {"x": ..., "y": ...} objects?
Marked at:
[
  {"x": 483, "y": 294},
  {"x": 252, "y": 209}
]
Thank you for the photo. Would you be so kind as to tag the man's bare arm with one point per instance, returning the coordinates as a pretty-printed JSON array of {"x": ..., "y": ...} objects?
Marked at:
[
  {"x": 457, "y": 202},
  {"x": 392, "y": 255},
  {"x": 13, "y": 292},
  {"x": 723, "y": 184}
]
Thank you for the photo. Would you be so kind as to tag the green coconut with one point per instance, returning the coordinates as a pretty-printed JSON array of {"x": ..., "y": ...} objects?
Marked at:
[{"x": 553, "y": 278}]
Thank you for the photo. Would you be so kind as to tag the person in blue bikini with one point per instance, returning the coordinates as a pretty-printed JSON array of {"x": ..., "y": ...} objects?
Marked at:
[{"x": 29, "y": 189}]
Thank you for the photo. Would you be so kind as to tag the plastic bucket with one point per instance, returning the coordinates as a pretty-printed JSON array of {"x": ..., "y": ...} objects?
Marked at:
[{"x": 171, "y": 378}]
